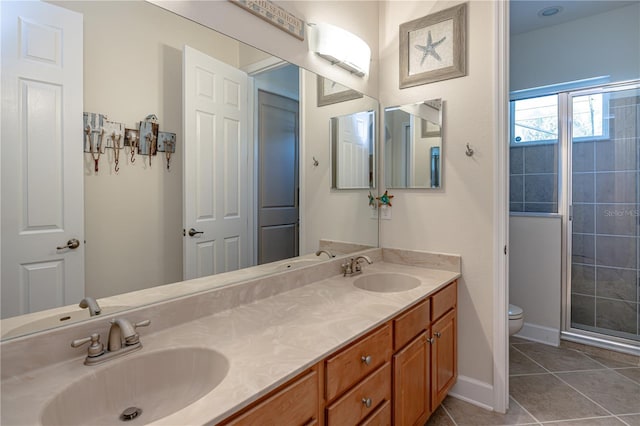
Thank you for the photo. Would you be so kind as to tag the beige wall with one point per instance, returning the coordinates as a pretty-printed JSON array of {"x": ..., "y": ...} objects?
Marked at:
[
  {"x": 341, "y": 215},
  {"x": 458, "y": 218},
  {"x": 358, "y": 17},
  {"x": 133, "y": 67},
  {"x": 535, "y": 274}
]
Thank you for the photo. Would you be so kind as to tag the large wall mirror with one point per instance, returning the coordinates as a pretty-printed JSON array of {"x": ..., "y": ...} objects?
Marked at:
[
  {"x": 413, "y": 145},
  {"x": 134, "y": 54}
]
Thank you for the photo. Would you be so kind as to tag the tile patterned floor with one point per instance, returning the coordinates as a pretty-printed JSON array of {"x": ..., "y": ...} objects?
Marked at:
[{"x": 556, "y": 386}]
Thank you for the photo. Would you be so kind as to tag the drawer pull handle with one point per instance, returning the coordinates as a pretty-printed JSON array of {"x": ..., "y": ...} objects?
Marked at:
[
  {"x": 366, "y": 402},
  {"x": 366, "y": 359},
  {"x": 438, "y": 334}
]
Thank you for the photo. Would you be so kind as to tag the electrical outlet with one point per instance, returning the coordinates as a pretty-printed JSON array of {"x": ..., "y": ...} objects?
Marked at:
[
  {"x": 385, "y": 213},
  {"x": 374, "y": 213}
]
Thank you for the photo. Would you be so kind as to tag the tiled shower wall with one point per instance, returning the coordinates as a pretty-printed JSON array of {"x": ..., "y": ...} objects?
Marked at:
[
  {"x": 534, "y": 178},
  {"x": 605, "y": 247}
]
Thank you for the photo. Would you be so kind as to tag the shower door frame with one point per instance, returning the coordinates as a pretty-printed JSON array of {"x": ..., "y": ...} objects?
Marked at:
[{"x": 565, "y": 118}]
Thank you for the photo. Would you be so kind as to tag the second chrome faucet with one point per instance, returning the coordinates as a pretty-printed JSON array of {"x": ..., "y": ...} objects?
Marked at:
[{"x": 353, "y": 265}]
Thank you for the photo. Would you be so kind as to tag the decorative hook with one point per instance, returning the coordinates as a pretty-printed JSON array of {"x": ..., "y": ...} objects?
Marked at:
[
  {"x": 315, "y": 162},
  {"x": 469, "y": 151},
  {"x": 167, "y": 151},
  {"x": 95, "y": 155},
  {"x": 131, "y": 136},
  {"x": 115, "y": 137}
]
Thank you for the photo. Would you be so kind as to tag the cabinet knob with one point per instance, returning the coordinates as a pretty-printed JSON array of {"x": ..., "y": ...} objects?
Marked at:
[
  {"x": 431, "y": 340},
  {"x": 366, "y": 359},
  {"x": 366, "y": 402},
  {"x": 438, "y": 334}
]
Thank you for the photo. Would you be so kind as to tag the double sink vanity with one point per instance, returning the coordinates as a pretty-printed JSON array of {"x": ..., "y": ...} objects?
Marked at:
[{"x": 308, "y": 346}]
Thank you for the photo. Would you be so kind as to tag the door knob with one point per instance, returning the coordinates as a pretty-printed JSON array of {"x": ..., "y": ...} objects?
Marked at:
[
  {"x": 71, "y": 244},
  {"x": 193, "y": 232}
]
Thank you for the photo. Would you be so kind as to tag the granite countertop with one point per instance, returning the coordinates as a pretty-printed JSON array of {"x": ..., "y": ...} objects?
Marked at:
[{"x": 267, "y": 342}]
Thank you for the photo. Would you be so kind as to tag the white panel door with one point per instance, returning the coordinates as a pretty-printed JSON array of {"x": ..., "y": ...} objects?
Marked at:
[
  {"x": 215, "y": 166},
  {"x": 42, "y": 163},
  {"x": 353, "y": 150}
]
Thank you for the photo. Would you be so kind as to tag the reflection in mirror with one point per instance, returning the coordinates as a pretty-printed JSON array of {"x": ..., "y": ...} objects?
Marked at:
[
  {"x": 353, "y": 150},
  {"x": 134, "y": 217},
  {"x": 413, "y": 145}
]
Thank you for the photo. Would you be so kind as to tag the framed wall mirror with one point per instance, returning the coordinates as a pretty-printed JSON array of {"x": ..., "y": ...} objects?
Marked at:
[
  {"x": 134, "y": 218},
  {"x": 413, "y": 145},
  {"x": 353, "y": 144}
]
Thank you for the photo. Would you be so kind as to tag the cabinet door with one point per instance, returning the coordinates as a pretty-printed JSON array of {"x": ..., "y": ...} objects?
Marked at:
[
  {"x": 362, "y": 400},
  {"x": 295, "y": 404},
  {"x": 411, "y": 383},
  {"x": 443, "y": 356},
  {"x": 357, "y": 361},
  {"x": 380, "y": 417}
]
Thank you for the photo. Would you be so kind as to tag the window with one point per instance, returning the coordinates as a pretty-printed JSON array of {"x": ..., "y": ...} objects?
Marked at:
[
  {"x": 534, "y": 159},
  {"x": 589, "y": 114},
  {"x": 535, "y": 120},
  {"x": 534, "y": 140}
]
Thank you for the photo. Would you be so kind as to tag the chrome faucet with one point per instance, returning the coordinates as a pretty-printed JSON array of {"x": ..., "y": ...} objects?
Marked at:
[
  {"x": 327, "y": 252},
  {"x": 353, "y": 265},
  {"x": 92, "y": 304},
  {"x": 121, "y": 332}
]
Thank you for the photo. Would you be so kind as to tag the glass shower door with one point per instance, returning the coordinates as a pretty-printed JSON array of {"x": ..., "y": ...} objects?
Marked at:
[{"x": 604, "y": 141}]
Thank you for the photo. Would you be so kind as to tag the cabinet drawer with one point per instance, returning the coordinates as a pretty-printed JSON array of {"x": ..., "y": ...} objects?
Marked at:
[
  {"x": 380, "y": 417},
  {"x": 361, "y": 358},
  {"x": 351, "y": 408},
  {"x": 411, "y": 323},
  {"x": 444, "y": 300},
  {"x": 296, "y": 404}
]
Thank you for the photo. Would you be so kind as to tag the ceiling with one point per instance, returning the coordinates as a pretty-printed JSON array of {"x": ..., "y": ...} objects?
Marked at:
[{"x": 524, "y": 13}]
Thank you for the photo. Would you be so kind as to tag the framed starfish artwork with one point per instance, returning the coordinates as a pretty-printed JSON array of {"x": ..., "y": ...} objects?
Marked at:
[
  {"x": 330, "y": 92},
  {"x": 433, "y": 48}
]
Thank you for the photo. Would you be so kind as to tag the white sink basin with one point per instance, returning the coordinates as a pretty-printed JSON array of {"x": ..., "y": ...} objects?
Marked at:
[
  {"x": 159, "y": 383},
  {"x": 386, "y": 282},
  {"x": 63, "y": 318}
]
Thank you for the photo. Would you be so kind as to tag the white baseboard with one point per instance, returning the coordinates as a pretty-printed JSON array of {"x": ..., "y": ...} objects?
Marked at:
[
  {"x": 474, "y": 392},
  {"x": 538, "y": 333}
]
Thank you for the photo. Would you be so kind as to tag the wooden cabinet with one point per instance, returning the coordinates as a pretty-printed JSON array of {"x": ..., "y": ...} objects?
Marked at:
[
  {"x": 358, "y": 379},
  {"x": 426, "y": 368},
  {"x": 356, "y": 361},
  {"x": 295, "y": 403},
  {"x": 411, "y": 375},
  {"x": 361, "y": 401},
  {"x": 380, "y": 417},
  {"x": 397, "y": 375},
  {"x": 412, "y": 322},
  {"x": 444, "y": 360}
]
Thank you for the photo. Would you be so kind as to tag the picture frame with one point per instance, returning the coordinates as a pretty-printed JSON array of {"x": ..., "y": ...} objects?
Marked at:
[
  {"x": 429, "y": 129},
  {"x": 330, "y": 92},
  {"x": 433, "y": 48}
]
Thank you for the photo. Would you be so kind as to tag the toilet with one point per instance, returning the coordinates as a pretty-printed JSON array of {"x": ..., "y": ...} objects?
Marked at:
[{"x": 516, "y": 319}]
